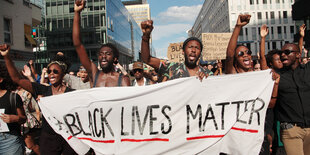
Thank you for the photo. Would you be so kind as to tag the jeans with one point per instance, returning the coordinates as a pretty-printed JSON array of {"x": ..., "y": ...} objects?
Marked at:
[{"x": 10, "y": 144}]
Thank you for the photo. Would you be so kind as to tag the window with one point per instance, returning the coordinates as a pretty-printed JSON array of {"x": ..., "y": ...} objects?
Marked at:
[
  {"x": 292, "y": 29},
  {"x": 254, "y": 33},
  {"x": 284, "y": 14},
  {"x": 259, "y": 17},
  {"x": 90, "y": 20},
  {"x": 285, "y": 20},
  {"x": 272, "y": 17},
  {"x": 264, "y": 1},
  {"x": 285, "y": 31},
  {"x": 279, "y": 29},
  {"x": 279, "y": 32},
  {"x": 272, "y": 33},
  {"x": 7, "y": 27},
  {"x": 66, "y": 23},
  {"x": 96, "y": 20},
  {"x": 277, "y": 1},
  {"x": 274, "y": 45},
  {"x": 60, "y": 24},
  {"x": 280, "y": 17},
  {"x": 251, "y": 2}
]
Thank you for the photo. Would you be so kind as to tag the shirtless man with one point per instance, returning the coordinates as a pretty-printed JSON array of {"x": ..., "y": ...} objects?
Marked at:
[{"x": 107, "y": 56}]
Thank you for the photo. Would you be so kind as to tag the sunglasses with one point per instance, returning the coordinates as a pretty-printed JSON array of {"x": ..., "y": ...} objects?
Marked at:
[
  {"x": 241, "y": 53},
  {"x": 287, "y": 52},
  {"x": 137, "y": 70},
  {"x": 54, "y": 71}
]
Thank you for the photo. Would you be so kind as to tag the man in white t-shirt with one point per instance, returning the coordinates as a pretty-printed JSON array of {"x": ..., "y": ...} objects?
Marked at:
[{"x": 138, "y": 72}]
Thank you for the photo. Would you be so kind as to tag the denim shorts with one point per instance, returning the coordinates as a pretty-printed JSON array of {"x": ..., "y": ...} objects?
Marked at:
[{"x": 10, "y": 144}]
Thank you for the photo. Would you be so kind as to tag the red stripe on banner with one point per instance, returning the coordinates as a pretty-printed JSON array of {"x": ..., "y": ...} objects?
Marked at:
[
  {"x": 97, "y": 141},
  {"x": 245, "y": 130},
  {"x": 70, "y": 137},
  {"x": 145, "y": 140},
  {"x": 204, "y": 137}
]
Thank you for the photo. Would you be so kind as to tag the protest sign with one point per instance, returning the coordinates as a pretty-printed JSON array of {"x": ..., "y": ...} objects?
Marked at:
[
  {"x": 222, "y": 114},
  {"x": 215, "y": 45},
  {"x": 175, "y": 52}
]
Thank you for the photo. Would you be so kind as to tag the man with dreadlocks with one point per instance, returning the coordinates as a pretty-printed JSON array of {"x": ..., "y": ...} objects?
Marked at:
[
  {"x": 50, "y": 141},
  {"x": 192, "y": 48}
]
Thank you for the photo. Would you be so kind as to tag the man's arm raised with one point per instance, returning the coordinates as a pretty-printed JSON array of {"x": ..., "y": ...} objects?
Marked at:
[
  {"x": 80, "y": 49},
  {"x": 147, "y": 27}
]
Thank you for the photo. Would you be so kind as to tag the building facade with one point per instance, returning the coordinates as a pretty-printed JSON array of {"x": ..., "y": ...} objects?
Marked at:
[
  {"x": 17, "y": 17},
  {"x": 217, "y": 16},
  {"x": 102, "y": 21},
  {"x": 301, "y": 15},
  {"x": 140, "y": 11}
]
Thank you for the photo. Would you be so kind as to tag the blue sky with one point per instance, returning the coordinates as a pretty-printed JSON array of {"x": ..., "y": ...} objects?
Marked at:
[{"x": 172, "y": 18}]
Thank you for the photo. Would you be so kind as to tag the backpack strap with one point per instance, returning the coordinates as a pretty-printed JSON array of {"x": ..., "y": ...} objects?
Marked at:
[
  {"x": 96, "y": 78},
  {"x": 119, "y": 83},
  {"x": 13, "y": 102}
]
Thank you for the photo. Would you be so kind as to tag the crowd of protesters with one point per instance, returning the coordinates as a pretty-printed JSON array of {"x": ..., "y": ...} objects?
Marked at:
[{"x": 287, "y": 126}]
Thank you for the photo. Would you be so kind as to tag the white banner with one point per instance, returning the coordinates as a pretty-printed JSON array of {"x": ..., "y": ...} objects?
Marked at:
[{"x": 183, "y": 116}]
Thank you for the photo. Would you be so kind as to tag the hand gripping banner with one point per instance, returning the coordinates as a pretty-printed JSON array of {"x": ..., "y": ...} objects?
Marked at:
[{"x": 221, "y": 114}]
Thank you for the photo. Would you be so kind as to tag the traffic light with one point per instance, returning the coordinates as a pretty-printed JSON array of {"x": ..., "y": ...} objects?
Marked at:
[{"x": 34, "y": 33}]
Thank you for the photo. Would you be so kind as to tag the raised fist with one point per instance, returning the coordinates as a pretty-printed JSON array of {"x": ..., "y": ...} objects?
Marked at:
[
  {"x": 243, "y": 19},
  {"x": 147, "y": 27},
  {"x": 5, "y": 48},
  {"x": 79, "y": 5}
]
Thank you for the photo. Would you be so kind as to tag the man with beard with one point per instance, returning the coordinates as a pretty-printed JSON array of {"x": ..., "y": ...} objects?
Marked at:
[
  {"x": 138, "y": 72},
  {"x": 293, "y": 102},
  {"x": 192, "y": 48},
  {"x": 107, "y": 56}
]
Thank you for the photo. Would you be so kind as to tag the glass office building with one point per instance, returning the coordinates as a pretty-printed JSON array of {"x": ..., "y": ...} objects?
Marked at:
[{"x": 102, "y": 21}]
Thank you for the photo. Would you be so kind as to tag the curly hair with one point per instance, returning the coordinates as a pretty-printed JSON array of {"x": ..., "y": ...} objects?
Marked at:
[
  {"x": 7, "y": 83},
  {"x": 114, "y": 49},
  {"x": 269, "y": 57}
]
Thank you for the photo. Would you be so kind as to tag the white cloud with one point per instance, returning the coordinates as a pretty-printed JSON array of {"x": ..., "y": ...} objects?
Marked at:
[
  {"x": 161, "y": 31},
  {"x": 179, "y": 14}
]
